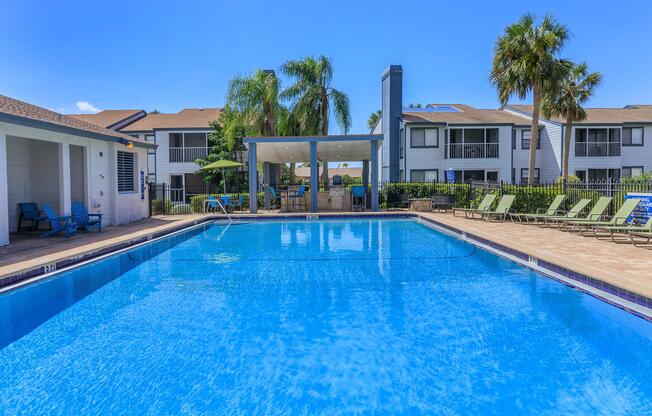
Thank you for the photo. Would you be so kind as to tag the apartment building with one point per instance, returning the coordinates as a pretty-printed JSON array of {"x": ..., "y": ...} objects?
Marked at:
[
  {"x": 180, "y": 138},
  {"x": 421, "y": 144}
]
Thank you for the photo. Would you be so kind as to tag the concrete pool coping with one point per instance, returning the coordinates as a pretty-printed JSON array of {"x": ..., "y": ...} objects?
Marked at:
[{"x": 634, "y": 295}]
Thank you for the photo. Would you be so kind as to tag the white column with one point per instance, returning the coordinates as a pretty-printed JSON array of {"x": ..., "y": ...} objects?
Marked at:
[
  {"x": 64, "y": 179},
  {"x": 4, "y": 202}
]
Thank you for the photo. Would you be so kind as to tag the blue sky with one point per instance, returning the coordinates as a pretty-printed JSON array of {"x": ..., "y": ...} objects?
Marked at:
[{"x": 170, "y": 55}]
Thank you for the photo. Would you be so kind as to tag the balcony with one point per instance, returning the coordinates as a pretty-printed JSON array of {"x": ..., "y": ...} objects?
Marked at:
[
  {"x": 597, "y": 149},
  {"x": 472, "y": 151},
  {"x": 187, "y": 154}
]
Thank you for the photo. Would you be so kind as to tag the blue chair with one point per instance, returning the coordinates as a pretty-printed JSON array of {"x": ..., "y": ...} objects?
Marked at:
[
  {"x": 358, "y": 198},
  {"x": 298, "y": 198},
  {"x": 227, "y": 201},
  {"x": 85, "y": 220},
  {"x": 275, "y": 200},
  {"x": 211, "y": 204},
  {"x": 239, "y": 204},
  {"x": 58, "y": 224},
  {"x": 29, "y": 212}
]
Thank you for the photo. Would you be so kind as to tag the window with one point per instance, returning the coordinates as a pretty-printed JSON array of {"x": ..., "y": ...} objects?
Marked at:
[
  {"x": 176, "y": 139},
  {"x": 126, "y": 172},
  {"x": 424, "y": 137},
  {"x": 601, "y": 175},
  {"x": 492, "y": 176},
  {"x": 422, "y": 175},
  {"x": 525, "y": 176},
  {"x": 597, "y": 142},
  {"x": 581, "y": 174},
  {"x": 633, "y": 136},
  {"x": 632, "y": 171},
  {"x": 526, "y": 139}
]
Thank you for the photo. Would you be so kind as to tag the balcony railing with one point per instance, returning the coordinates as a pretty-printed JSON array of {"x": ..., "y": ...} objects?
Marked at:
[
  {"x": 187, "y": 154},
  {"x": 597, "y": 149},
  {"x": 473, "y": 151}
]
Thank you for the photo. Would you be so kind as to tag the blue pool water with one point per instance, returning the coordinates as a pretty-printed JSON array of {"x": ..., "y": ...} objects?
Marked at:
[{"x": 317, "y": 317}]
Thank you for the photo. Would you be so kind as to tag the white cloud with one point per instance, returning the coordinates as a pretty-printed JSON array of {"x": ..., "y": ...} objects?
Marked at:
[{"x": 86, "y": 107}]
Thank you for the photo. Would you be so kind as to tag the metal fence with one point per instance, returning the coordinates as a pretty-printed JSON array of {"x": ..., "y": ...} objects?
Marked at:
[{"x": 167, "y": 199}]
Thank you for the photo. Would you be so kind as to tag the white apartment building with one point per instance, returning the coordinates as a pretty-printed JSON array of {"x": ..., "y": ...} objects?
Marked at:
[
  {"x": 180, "y": 138},
  {"x": 49, "y": 158},
  {"x": 421, "y": 144}
]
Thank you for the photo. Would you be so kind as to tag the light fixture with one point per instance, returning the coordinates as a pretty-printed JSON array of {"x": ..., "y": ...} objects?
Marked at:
[{"x": 129, "y": 144}]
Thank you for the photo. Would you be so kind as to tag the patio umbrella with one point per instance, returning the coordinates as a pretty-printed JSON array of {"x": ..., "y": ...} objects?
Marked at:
[{"x": 222, "y": 164}]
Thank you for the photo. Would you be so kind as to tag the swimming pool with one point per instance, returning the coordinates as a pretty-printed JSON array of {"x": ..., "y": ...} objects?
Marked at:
[{"x": 305, "y": 317}]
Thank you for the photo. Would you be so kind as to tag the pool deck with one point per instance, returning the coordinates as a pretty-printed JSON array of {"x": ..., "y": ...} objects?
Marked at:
[{"x": 620, "y": 265}]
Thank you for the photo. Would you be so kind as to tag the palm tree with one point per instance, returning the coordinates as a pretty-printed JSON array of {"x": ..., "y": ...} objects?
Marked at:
[
  {"x": 525, "y": 61},
  {"x": 312, "y": 96},
  {"x": 567, "y": 103},
  {"x": 373, "y": 120},
  {"x": 254, "y": 101}
]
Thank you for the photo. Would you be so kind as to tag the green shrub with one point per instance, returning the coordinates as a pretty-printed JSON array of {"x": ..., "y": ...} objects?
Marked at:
[
  {"x": 160, "y": 207},
  {"x": 425, "y": 190}
]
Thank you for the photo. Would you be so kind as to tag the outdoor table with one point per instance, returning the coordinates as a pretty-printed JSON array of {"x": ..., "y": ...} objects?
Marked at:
[{"x": 226, "y": 201}]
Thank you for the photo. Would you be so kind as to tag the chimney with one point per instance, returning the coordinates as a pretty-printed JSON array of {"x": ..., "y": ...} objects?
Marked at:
[{"x": 392, "y": 109}]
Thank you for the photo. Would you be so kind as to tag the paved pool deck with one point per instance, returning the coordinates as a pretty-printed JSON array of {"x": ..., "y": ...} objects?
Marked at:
[{"x": 621, "y": 265}]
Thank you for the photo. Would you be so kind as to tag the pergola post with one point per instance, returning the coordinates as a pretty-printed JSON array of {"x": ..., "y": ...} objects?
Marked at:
[
  {"x": 365, "y": 174},
  {"x": 314, "y": 177},
  {"x": 253, "y": 179},
  {"x": 267, "y": 172},
  {"x": 374, "y": 175}
]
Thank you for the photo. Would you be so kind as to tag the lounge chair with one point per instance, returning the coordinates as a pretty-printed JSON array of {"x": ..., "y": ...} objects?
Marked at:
[
  {"x": 29, "y": 212},
  {"x": 358, "y": 198},
  {"x": 573, "y": 213},
  {"x": 619, "y": 218},
  {"x": 502, "y": 209},
  {"x": 640, "y": 238},
  {"x": 85, "y": 220},
  {"x": 58, "y": 224},
  {"x": 621, "y": 233},
  {"x": 541, "y": 213},
  {"x": 595, "y": 214},
  {"x": 483, "y": 206}
]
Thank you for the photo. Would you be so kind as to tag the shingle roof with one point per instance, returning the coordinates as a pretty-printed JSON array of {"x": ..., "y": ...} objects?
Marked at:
[
  {"x": 47, "y": 119},
  {"x": 466, "y": 115},
  {"x": 106, "y": 118},
  {"x": 629, "y": 114},
  {"x": 189, "y": 118}
]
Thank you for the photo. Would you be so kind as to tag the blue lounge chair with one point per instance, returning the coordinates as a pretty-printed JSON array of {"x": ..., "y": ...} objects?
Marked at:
[
  {"x": 29, "y": 212},
  {"x": 358, "y": 198},
  {"x": 58, "y": 224},
  {"x": 85, "y": 220}
]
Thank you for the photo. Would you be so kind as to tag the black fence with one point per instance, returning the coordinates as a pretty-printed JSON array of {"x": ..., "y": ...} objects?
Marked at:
[{"x": 167, "y": 199}]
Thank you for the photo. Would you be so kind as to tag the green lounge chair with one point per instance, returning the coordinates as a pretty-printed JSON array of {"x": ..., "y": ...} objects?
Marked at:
[
  {"x": 621, "y": 233},
  {"x": 595, "y": 214},
  {"x": 502, "y": 209},
  {"x": 584, "y": 225},
  {"x": 541, "y": 213},
  {"x": 483, "y": 206},
  {"x": 58, "y": 224},
  {"x": 85, "y": 220},
  {"x": 641, "y": 238},
  {"x": 573, "y": 213}
]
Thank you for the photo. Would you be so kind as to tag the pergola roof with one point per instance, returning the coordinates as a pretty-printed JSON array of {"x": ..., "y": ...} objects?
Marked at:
[{"x": 284, "y": 149}]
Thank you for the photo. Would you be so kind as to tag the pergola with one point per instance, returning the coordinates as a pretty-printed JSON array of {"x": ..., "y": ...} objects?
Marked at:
[{"x": 301, "y": 149}]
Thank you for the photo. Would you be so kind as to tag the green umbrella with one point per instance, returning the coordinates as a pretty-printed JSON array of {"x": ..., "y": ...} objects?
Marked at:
[{"x": 222, "y": 164}]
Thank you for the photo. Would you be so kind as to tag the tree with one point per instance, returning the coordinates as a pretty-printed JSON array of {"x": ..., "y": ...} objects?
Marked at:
[
  {"x": 312, "y": 96},
  {"x": 525, "y": 61},
  {"x": 373, "y": 120},
  {"x": 567, "y": 103},
  {"x": 254, "y": 103}
]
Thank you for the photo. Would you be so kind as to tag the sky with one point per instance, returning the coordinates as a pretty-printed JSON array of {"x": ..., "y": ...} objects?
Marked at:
[{"x": 84, "y": 56}]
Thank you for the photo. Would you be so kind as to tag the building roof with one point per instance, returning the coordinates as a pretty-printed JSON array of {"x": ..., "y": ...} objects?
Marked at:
[
  {"x": 465, "y": 115},
  {"x": 304, "y": 172},
  {"x": 641, "y": 113},
  {"x": 106, "y": 118},
  {"x": 189, "y": 118},
  {"x": 20, "y": 112}
]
